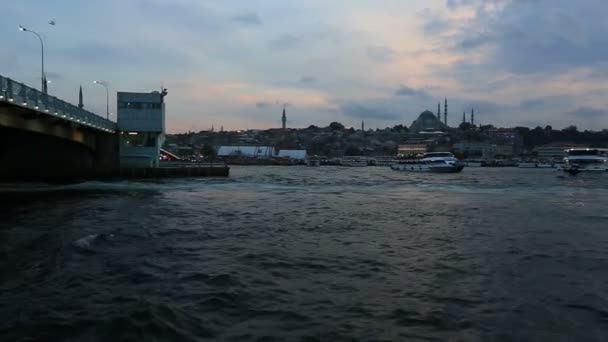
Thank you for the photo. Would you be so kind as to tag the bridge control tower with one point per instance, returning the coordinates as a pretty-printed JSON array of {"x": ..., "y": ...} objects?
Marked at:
[{"x": 141, "y": 125}]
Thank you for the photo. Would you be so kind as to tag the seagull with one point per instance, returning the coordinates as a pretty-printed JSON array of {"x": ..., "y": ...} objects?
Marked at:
[{"x": 52, "y": 22}]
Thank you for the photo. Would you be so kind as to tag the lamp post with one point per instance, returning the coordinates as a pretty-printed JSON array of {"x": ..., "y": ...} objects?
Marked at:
[
  {"x": 105, "y": 85},
  {"x": 43, "y": 86}
]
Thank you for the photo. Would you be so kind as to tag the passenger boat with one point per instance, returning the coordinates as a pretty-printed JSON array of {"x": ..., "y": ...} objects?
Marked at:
[
  {"x": 354, "y": 162},
  {"x": 440, "y": 162},
  {"x": 586, "y": 159},
  {"x": 539, "y": 164}
]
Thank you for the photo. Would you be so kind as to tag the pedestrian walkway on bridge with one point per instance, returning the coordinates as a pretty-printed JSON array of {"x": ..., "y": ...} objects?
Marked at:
[{"x": 19, "y": 94}]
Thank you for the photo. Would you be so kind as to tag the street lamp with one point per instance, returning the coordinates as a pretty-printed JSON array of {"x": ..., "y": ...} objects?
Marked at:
[
  {"x": 43, "y": 85},
  {"x": 105, "y": 85}
]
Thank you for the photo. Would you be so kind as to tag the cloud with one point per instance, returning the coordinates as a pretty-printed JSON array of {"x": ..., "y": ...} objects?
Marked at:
[
  {"x": 53, "y": 76},
  {"x": 381, "y": 54},
  {"x": 250, "y": 18},
  {"x": 140, "y": 55},
  {"x": 407, "y": 91},
  {"x": 536, "y": 36},
  {"x": 286, "y": 41},
  {"x": 435, "y": 24},
  {"x": 588, "y": 113},
  {"x": 385, "y": 112},
  {"x": 548, "y": 102},
  {"x": 487, "y": 107},
  {"x": 193, "y": 16},
  {"x": 262, "y": 104},
  {"x": 308, "y": 79},
  {"x": 455, "y": 4},
  {"x": 532, "y": 103}
]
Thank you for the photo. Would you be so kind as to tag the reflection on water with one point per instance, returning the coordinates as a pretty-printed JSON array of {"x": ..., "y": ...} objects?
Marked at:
[{"x": 296, "y": 253}]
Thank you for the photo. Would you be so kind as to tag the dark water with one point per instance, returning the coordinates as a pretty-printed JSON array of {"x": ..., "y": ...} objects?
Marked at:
[{"x": 309, "y": 254}]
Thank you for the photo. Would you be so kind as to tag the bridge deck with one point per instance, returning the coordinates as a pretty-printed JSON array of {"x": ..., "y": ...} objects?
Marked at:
[{"x": 21, "y": 95}]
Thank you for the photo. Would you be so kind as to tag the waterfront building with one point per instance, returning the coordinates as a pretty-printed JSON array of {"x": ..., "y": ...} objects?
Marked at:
[
  {"x": 507, "y": 136},
  {"x": 246, "y": 151},
  {"x": 293, "y": 154},
  {"x": 141, "y": 123},
  {"x": 475, "y": 149},
  {"x": 504, "y": 150}
]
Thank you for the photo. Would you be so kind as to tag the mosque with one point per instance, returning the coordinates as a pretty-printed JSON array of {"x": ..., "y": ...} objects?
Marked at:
[{"x": 427, "y": 121}]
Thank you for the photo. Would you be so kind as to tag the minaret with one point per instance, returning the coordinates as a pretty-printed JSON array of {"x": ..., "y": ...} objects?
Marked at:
[
  {"x": 284, "y": 119},
  {"x": 212, "y": 128},
  {"x": 80, "y": 104},
  {"x": 439, "y": 111},
  {"x": 464, "y": 118},
  {"x": 362, "y": 125},
  {"x": 221, "y": 128},
  {"x": 445, "y": 111},
  {"x": 472, "y": 117}
]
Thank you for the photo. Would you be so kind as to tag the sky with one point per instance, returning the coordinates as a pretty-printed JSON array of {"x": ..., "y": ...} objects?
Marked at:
[{"x": 236, "y": 63}]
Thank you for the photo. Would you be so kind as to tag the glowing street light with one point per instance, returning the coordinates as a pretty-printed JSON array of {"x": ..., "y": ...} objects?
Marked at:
[
  {"x": 43, "y": 83},
  {"x": 105, "y": 85}
]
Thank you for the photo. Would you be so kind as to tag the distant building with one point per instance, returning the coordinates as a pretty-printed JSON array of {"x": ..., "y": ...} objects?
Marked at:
[
  {"x": 293, "y": 154},
  {"x": 427, "y": 121},
  {"x": 504, "y": 150},
  {"x": 141, "y": 122},
  {"x": 507, "y": 137},
  {"x": 475, "y": 149},
  {"x": 246, "y": 151}
]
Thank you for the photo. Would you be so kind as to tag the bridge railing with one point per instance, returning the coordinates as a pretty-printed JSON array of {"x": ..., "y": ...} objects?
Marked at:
[{"x": 27, "y": 97}]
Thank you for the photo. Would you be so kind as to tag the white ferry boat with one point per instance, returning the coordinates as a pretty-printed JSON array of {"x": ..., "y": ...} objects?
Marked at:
[
  {"x": 586, "y": 159},
  {"x": 441, "y": 162},
  {"x": 539, "y": 164}
]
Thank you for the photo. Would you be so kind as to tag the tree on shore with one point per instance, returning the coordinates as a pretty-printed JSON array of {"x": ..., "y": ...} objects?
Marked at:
[{"x": 208, "y": 151}]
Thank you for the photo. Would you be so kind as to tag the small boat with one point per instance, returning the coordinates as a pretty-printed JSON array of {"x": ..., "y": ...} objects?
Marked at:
[
  {"x": 585, "y": 160},
  {"x": 527, "y": 164},
  {"x": 313, "y": 162},
  {"x": 538, "y": 164},
  {"x": 439, "y": 162},
  {"x": 354, "y": 163},
  {"x": 474, "y": 162}
]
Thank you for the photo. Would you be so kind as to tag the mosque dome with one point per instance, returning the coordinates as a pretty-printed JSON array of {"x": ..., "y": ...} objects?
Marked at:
[{"x": 427, "y": 121}]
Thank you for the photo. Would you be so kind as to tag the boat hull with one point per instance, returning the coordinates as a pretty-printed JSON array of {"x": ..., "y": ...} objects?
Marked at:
[{"x": 427, "y": 168}]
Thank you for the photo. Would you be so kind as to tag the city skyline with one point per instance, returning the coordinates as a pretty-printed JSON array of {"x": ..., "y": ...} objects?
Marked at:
[{"x": 237, "y": 66}]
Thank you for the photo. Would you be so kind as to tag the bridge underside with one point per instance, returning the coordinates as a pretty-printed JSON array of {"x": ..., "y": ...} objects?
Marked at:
[
  {"x": 28, "y": 120},
  {"x": 35, "y": 147}
]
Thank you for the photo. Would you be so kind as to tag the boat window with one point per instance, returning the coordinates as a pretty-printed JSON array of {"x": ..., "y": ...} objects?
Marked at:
[{"x": 593, "y": 152}]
